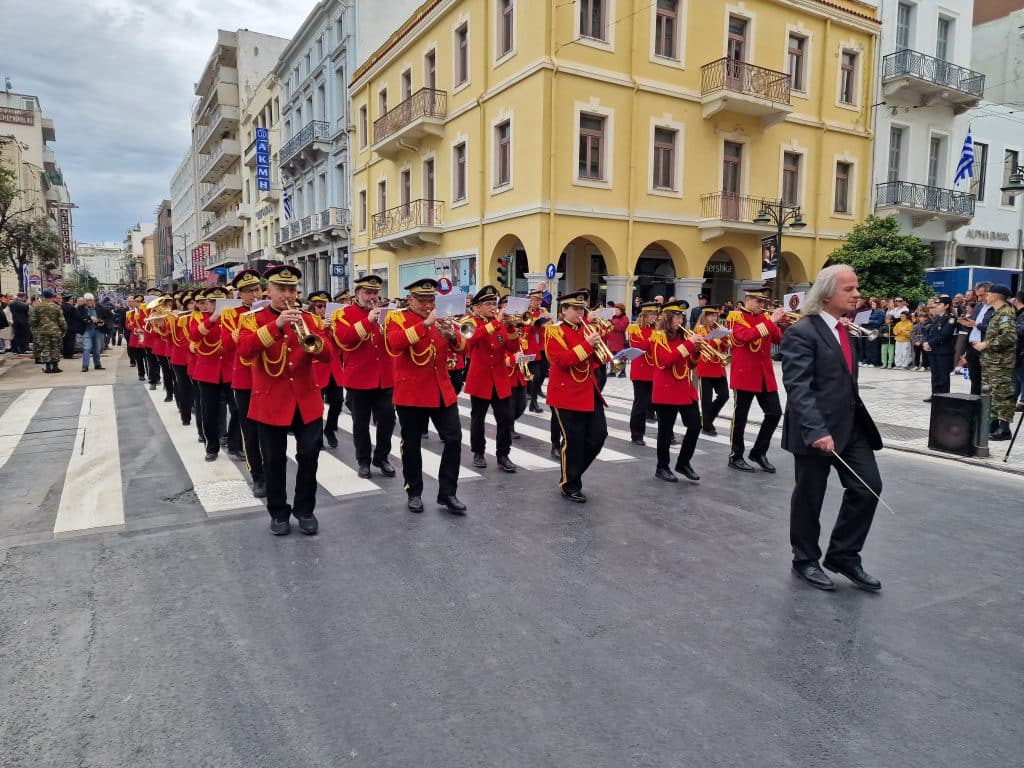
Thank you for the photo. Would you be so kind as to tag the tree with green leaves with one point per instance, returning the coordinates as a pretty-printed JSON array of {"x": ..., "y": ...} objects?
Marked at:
[
  {"x": 82, "y": 282},
  {"x": 887, "y": 262}
]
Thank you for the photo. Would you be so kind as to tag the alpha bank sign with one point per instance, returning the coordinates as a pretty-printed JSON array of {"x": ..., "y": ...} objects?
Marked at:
[{"x": 263, "y": 159}]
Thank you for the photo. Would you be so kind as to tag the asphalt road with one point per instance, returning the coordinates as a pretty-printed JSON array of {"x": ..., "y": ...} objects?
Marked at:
[{"x": 656, "y": 626}]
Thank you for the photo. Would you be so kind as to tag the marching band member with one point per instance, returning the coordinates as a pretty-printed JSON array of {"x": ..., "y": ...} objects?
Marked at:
[
  {"x": 247, "y": 285},
  {"x": 285, "y": 397},
  {"x": 487, "y": 381},
  {"x": 419, "y": 346},
  {"x": 641, "y": 370},
  {"x": 534, "y": 345},
  {"x": 673, "y": 393},
  {"x": 177, "y": 326},
  {"x": 148, "y": 339},
  {"x": 573, "y": 394},
  {"x": 368, "y": 374},
  {"x": 714, "y": 386},
  {"x": 334, "y": 392},
  {"x": 161, "y": 351},
  {"x": 753, "y": 376},
  {"x": 136, "y": 335},
  {"x": 209, "y": 340},
  {"x": 328, "y": 377},
  {"x": 515, "y": 372}
]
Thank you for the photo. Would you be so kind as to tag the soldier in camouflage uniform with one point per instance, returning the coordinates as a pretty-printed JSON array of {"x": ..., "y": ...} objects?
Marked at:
[
  {"x": 998, "y": 356},
  {"x": 48, "y": 326}
]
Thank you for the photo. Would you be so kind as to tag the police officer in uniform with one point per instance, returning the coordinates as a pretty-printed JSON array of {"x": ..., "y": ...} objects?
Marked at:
[
  {"x": 285, "y": 397},
  {"x": 939, "y": 343},
  {"x": 573, "y": 394}
]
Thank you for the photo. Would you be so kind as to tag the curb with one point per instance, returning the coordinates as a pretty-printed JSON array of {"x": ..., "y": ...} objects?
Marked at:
[{"x": 997, "y": 466}]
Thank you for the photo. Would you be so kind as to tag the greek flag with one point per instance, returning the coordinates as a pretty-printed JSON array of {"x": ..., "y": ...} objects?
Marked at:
[
  {"x": 287, "y": 204},
  {"x": 965, "y": 168}
]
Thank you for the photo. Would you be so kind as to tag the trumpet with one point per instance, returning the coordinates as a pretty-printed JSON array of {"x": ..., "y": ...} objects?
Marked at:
[
  {"x": 311, "y": 342},
  {"x": 604, "y": 355},
  {"x": 465, "y": 326},
  {"x": 524, "y": 368},
  {"x": 862, "y": 332},
  {"x": 708, "y": 354}
]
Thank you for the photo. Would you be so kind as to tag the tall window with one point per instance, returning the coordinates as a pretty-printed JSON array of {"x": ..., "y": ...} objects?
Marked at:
[
  {"x": 382, "y": 105},
  {"x": 664, "y": 158},
  {"x": 935, "y": 153},
  {"x": 591, "y": 146},
  {"x": 462, "y": 54},
  {"x": 502, "y": 153},
  {"x": 842, "y": 204},
  {"x": 430, "y": 70},
  {"x": 428, "y": 180},
  {"x": 593, "y": 23},
  {"x": 665, "y": 25},
  {"x": 405, "y": 190},
  {"x": 1010, "y": 161},
  {"x": 895, "y": 153},
  {"x": 459, "y": 171},
  {"x": 848, "y": 78},
  {"x": 980, "y": 171},
  {"x": 791, "y": 178},
  {"x": 904, "y": 16},
  {"x": 406, "y": 84},
  {"x": 363, "y": 129},
  {"x": 506, "y": 24},
  {"x": 362, "y": 210},
  {"x": 943, "y": 37},
  {"x": 797, "y": 63},
  {"x": 382, "y": 196},
  {"x": 737, "y": 44}
]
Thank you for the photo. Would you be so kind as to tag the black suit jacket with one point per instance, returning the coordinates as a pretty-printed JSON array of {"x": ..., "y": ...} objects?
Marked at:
[{"x": 822, "y": 397}]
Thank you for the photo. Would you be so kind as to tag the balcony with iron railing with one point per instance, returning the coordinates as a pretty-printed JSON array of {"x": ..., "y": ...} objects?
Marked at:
[
  {"x": 922, "y": 201},
  {"x": 222, "y": 226},
  {"x": 225, "y": 154},
  {"x": 224, "y": 90},
  {"x": 421, "y": 115},
  {"x": 416, "y": 223},
  {"x": 314, "y": 136},
  {"x": 222, "y": 119},
  {"x": 722, "y": 212},
  {"x": 926, "y": 80},
  {"x": 730, "y": 85},
  {"x": 229, "y": 186},
  {"x": 325, "y": 225},
  {"x": 226, "y": 257}
]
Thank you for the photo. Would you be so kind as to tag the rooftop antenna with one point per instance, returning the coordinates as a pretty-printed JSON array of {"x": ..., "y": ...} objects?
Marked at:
[{"x": 7, "y": 84}]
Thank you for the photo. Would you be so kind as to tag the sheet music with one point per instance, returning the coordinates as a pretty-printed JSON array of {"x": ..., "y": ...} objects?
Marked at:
[
  {"x": 451, "y": 305},
  {"x": 219, "y": 305},
  {"x": 517, "y": 305}
]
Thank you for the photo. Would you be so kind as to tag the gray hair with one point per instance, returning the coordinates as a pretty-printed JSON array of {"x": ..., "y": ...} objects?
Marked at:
[
  {"x": 88, "y": 297},
  {"x": 824, "y": 288}
]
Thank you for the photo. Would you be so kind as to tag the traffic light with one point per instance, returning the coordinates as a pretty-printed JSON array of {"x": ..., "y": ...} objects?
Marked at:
[{"x": 503, "y": 272}]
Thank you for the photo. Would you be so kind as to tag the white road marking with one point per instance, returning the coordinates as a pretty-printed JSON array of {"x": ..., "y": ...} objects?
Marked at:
[
  {"x": 92, "y": 496},
  {"x": 334, "y": 475},
  {"x": 16, "y": 418},
  {"x": 219, "y": 484}
]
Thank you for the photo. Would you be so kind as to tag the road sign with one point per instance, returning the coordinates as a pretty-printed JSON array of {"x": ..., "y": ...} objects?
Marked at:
[
  {"x": 34, "y": 280},
  {"x": 444, "y": 286},
  {"x": 550, "y": 272},
  {"x": 337, "y": 270}
]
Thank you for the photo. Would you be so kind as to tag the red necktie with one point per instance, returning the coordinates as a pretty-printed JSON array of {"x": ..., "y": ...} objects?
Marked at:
[{"x": 844, "y": 344}]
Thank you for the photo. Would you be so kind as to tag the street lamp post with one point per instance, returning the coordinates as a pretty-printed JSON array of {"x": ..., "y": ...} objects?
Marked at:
[
  {"x": 780, "y": 214},
  {"x": 1016, "y": 185}
]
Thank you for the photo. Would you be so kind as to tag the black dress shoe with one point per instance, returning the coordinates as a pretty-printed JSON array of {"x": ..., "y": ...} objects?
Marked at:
[
  {"x": 926, "y": 400},
  {"x": 211, "y": 456},
  {"x": 99, "y": 368},
  {"x": 151, "y": 386},
  {"x": 687, "y": 471},
  {"x": 556, "y": 454},
  {"x": 167, "y": 398},
  {"x": 1001, "y": 432},
  {"x": 259, "y": 488},
  {"x": 364, "y": 471},
  {"x": 280, "y": 527},
  {"x": 763, "y": 463},
  {"x": 385, "y": 468},
  {"x": 453, "y": 504},
  {"x": 236, "y": 453},
  {"x": 662, "y": 473},
  {"x": 479, "y": 461},
  {"x": 309, "y": 525},
  {"x": 575, "y": 496},
  {"x": 673, "y": 440},
  {"x": 202, "y": 439},
  {"x": 856, "y": 574},
  {"x": 638, "y": 441},
  {"x": 186, "y": 422},
  {"x": 741, "y": 465},
  {"x": 415, "y": 504},
  {"x": 813, "y": 575},
  {"x": 331, "y": 438},
  {"x": 506, "y": 464},
  {"x": 709, "y": 431}
]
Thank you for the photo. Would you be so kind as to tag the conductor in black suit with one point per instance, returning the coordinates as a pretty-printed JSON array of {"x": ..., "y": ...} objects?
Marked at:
[{"x": 824, "y": 414}]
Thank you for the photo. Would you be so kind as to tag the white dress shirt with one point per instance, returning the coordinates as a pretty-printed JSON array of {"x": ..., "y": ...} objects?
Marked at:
[
  {"x": 975, "y": 334},
  {"x": 831, "y": 322}
]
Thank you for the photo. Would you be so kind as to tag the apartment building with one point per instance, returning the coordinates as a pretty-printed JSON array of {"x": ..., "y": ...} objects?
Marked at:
[
  {"x": 103, "y": 261},
  {"x": 628, "y": 143},
  {"x": 260, "y": 210},
  {"x": 164, "y": 244},
  {"x": 313, "y": 158},
  {"x": 138, "y": 272},
  {"x": 239, "y": 61},
  {"x": 184, "y": 219}
]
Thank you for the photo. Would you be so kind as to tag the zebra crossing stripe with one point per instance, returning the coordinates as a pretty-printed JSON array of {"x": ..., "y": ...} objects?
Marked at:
[
  {"x": 519, "y": 457},
  {"x": 92, "y": 496},
  {"x": 544, "y": 435},
  {"x": 16, "y": 420},
  {"x": 618, "y": 434},
  {"x": 218, "y": 485},
  {"x": 335, "y": 476}
]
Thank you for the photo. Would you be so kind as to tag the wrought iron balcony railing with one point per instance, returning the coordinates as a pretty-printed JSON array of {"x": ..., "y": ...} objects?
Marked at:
[
  {"x": 907, "y": 194},
  {"x": 413, "y": 215},
  {"x": 313, "y": 131},
  {"x": 727, "y": 206},
  {"x": 426, "y": 102},
  {"x": 741, "y": 77},
  {"x": 916, "y": 64},
  {"x": 316, "y": 222}
]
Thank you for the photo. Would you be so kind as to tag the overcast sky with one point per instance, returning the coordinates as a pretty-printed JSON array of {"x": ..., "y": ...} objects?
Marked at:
[{"x": 116, "y": 76}]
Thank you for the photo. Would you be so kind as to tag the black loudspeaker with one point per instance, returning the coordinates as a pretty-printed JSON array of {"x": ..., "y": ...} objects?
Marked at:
[{"x": 954, "y": 423}]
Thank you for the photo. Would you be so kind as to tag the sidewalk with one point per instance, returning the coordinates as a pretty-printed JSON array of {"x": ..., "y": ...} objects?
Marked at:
[
  {"x": 895, "y": 399},
  {"x": 20, "y": 372}
]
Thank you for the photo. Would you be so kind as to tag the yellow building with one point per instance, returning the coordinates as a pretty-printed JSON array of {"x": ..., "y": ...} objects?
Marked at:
[{"x": 628, "y": 142}]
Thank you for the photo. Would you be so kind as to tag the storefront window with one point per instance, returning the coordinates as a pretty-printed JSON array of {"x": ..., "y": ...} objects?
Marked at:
[{"x": 464, "y": 273}]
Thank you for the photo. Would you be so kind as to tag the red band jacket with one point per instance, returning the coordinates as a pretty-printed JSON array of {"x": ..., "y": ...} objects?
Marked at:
[
  {"x": 365, "y": 363},
  {"x": 642, "y": 368},
  {"x": 673, "y": 370},
  {"x": 752, "y": 339},
  {"x": 571, "y": 380},
  {"x": 491, "y": 351},
  {"x": 419, "y": 357}
]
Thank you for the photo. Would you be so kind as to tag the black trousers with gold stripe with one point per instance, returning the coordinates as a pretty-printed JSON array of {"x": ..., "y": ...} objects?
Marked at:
[
  {"x": 772, "y": 408},
  {"x": 583, "y": 436}
]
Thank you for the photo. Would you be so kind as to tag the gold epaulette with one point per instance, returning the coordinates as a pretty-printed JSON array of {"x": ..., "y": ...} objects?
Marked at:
[
  {"x": 659, "y": 337},
  {"x": 632, "y": 328},
  {"x": 339, "y": 314},
  {"x": 736, "y": 316},
  {"x": 556, "y": 332},
  {"x": 248, "y": 322},
  {"x": 395, "y": 316}
]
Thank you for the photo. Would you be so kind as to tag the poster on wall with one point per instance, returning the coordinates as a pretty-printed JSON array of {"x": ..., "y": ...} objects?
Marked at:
[{"x": 769, "y": 257}]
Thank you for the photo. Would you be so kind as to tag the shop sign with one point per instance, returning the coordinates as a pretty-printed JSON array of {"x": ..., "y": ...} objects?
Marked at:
[
  {"x": 987, "y": 234},
  {"x": 17, "y": 116}
]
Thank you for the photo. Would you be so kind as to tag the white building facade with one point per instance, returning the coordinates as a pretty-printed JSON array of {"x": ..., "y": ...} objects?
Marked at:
[
  {"x": 132, "y": 252},
  {"x": 103, "y": 261},
  {"x": 184, "y": 220},
  {"x": 925, "y": 82}
]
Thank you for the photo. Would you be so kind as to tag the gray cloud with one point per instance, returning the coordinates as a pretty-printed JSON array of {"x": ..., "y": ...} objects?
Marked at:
[{"x": 116, "y": 76}]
